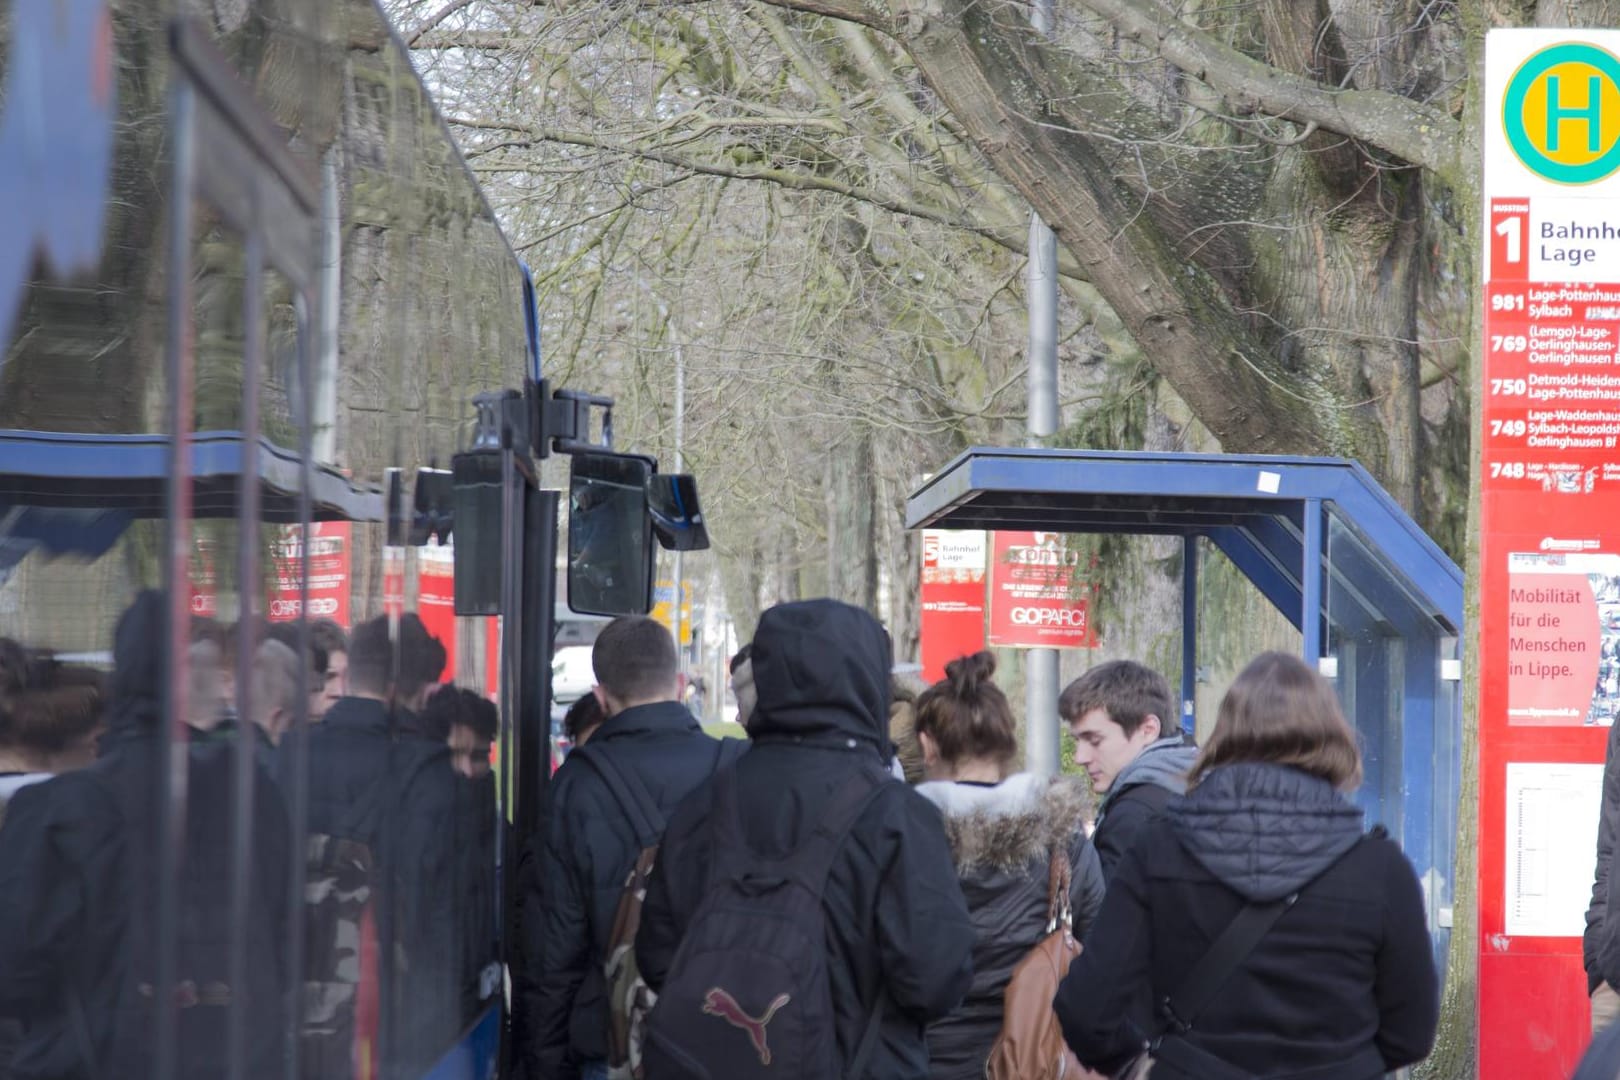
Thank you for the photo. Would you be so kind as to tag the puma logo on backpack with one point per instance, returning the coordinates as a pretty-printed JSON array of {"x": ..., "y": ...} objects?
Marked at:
[
  {"x": 753, "y": 960},
  {"x": 721, "y": 1004}
]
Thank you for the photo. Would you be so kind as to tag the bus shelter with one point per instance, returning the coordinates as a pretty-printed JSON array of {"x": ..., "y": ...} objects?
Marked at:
[{"x": 1378, "y": 605}]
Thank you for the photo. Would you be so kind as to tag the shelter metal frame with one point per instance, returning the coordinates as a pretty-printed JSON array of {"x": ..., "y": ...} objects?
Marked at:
[{"x": 1378, "y": 604}]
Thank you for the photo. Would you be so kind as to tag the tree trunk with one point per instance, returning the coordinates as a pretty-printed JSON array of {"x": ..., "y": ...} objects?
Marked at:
[
  {"x": 851, "y": 524},
  {"x": 905, "y": 572}
]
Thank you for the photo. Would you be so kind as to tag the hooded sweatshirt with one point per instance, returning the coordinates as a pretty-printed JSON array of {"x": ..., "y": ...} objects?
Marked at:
[
  {"x": 1138, "y": 794},
  {"x": 1341, "y": 987},
  {"x": 1002, "y": 838},
  {"x": 897, "y": 926}
]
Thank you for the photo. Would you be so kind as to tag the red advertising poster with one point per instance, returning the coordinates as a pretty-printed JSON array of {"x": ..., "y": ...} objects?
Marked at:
[
  {"x": 436, "y": 599},
  {"x": 204, "y": 581},
  {"x": 393, "y": 581},
  {"x": 1549, "y": 614},
  {"x": 1037, "y": 597},
  {"x": 330, "y": 551},
  {"x": 952, "y": 598}
]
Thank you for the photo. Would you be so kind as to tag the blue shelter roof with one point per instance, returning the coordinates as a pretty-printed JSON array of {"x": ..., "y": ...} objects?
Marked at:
[{"x": 1382, "y": 568}]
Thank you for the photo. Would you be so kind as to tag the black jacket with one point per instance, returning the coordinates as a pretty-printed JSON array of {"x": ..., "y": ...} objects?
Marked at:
[
  {"x": 589, "y": 848},
  {"x": 1001, "y": 840},
  {"x": 1139, "y": 794},
  {"x": 373, "y": 780},
  {"x": 896, "y": 921},
  {"x": 1602, "y": 1059},
  {"x": 1600, "y": 945},
  {"x": 79, "y": 882},
  {"x": 1344, "y": 982}
]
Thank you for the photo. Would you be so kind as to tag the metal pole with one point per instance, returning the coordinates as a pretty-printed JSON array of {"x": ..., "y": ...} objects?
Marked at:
[
  {"x": 322, "y": 395},
  {"x": 1189, "y": 634},
  {"x": 179, "y": 368},
  {"x": 1041, "y": 670},
  {"x": 1310, "y": 623},
  {"x": 677, "y": 617}
]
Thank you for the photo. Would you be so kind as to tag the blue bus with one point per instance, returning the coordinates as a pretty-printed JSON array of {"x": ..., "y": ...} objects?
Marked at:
[{"x": 270, "y": 387}]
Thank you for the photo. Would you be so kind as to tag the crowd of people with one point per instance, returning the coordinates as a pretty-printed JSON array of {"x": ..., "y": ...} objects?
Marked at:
[
  {"x": 858, "y": 887},
  {"x": 800, "y": 902},
  {"x": 397, "y": 914}
]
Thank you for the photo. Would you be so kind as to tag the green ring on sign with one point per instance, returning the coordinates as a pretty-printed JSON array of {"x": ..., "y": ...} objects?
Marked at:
[{"x": 1513, "y": 113}]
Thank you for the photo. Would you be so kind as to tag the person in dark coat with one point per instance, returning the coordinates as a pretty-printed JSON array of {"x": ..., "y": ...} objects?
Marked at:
[
  {"x": 896, "y": 921},
  {"x": 468, "y": 723},
  {"x": 1600, "y": 945},
  {"x": 79, "y": 886},
  {"x": 590, "y": 846},
  {"x": 1125, "y": 736},
  {"x": 1342, "y": 986},
  {"x": 380, "y": 785},
  {"x": 1602, "y": 1059},
  {"x": 1003, "y": 828},
  {"x": 50, "y": 716}
]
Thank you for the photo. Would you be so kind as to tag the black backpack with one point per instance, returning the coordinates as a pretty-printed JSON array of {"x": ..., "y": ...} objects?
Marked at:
[
  {"x": 747, "y": 995},
  {"x": 630, "y": 1000}
]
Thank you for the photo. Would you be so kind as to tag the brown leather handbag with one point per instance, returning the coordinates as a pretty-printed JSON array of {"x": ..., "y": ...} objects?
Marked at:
[{"x": 1030, "y": 1045}]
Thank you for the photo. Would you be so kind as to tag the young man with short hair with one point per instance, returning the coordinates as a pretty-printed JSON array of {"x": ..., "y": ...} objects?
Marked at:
[
  {"x": 589, "y": 845},
  {"x": 1123, "y": 720},
  {"x": 329, "y": 638}
]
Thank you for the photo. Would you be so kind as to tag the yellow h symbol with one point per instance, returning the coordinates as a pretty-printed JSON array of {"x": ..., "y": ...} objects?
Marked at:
[{"x": 1591, "y": 114}]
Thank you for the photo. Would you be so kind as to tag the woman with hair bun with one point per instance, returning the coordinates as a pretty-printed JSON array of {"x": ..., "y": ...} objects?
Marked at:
[{"x": 1004, "y": 828}]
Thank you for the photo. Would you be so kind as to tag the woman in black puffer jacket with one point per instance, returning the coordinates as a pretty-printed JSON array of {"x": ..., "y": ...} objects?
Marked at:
[
  {"x": 1003, "y": 829},
  {"x": 1341, "y": 984}
]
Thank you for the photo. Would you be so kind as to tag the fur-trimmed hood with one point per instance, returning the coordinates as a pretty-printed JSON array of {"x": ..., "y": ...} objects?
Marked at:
[{"x": 1006, "y": 827}]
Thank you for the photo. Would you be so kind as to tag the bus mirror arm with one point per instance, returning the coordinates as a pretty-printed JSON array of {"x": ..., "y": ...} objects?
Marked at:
[{"x": 561, "y": 420}]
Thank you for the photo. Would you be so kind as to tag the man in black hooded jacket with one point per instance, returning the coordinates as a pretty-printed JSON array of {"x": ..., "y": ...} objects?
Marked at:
[{"x": 897, "y": 924}]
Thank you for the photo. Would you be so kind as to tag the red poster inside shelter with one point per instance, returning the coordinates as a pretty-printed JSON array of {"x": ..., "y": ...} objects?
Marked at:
[
  {"x": 330, "y": 552},
  {"x": 1038, "y": 598},
  {"x": 436, "y": 599}
]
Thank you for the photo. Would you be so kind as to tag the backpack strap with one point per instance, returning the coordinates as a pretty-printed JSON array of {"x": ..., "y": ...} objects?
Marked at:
[
  {"x": 1236, "y": 942},
  {"x": 1059, "y": 885},
  {"x": 869, "y": 1040},
  {"x": 1234, "y": 945},
  {"x": 813, "y": 861},
  {"x": 630, "y": 792}
]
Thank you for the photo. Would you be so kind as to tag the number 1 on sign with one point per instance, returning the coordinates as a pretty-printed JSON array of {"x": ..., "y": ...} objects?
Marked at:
[{"x": 1508, "y": 230}]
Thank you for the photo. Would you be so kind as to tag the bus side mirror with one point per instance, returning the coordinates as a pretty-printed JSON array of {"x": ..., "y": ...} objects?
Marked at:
[
  {"x": 677, "y": 516},
  {"x": 610, "y": 536}
]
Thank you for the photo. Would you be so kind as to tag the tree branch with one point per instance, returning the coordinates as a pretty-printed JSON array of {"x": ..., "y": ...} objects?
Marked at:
[
  {"x": 436, "y": 18},
  {"x": 1408, "y": 129},
  {"x": 480, "y": 41},
  {"x": 848, "y": 10},
  {"x": 1007, "y": 236}
]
